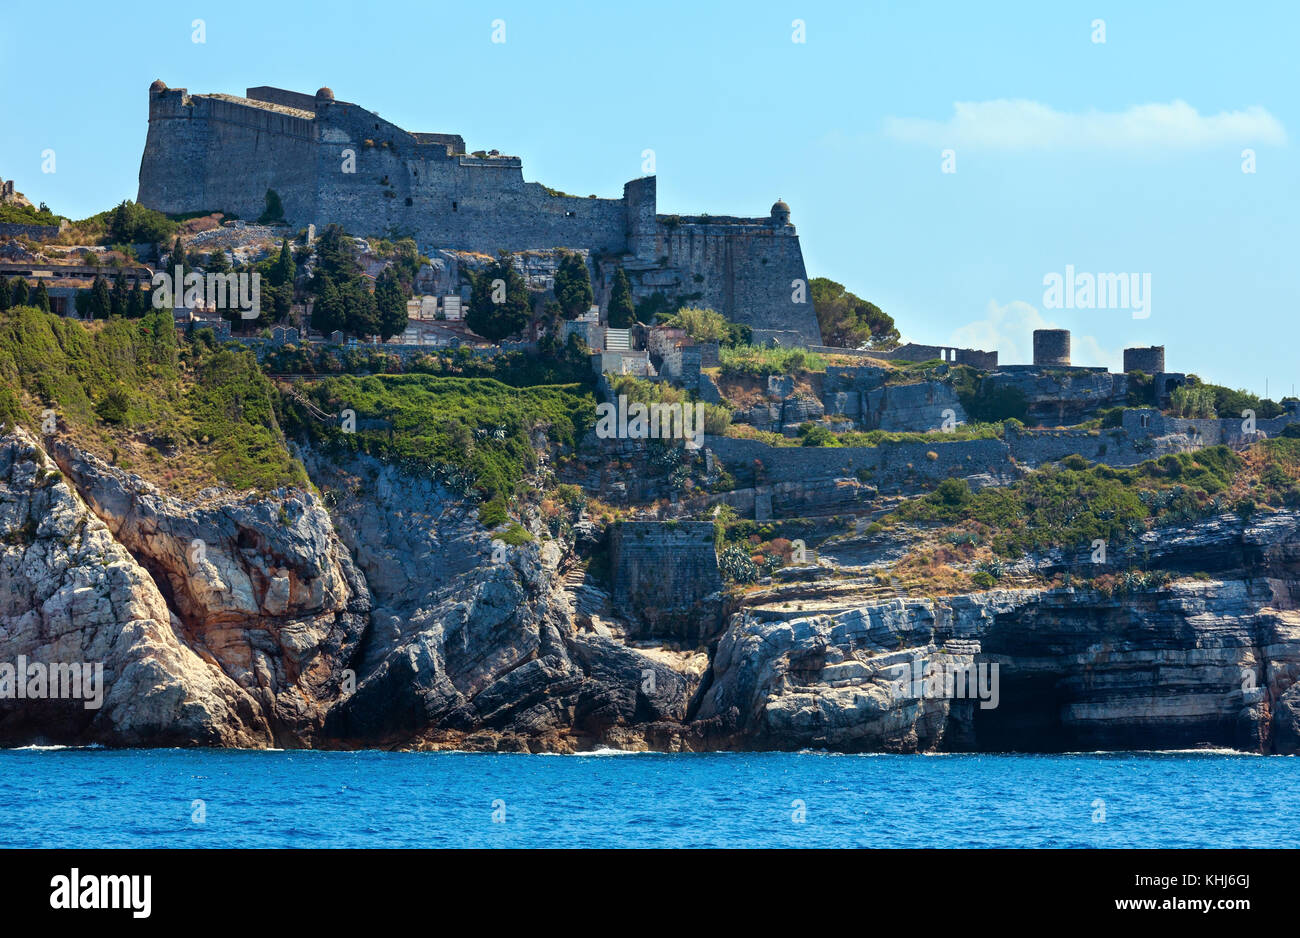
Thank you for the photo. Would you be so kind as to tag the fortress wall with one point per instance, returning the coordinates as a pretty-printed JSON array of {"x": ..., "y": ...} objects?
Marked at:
[
  {"x": 252, "y": 150},
  {"x": 305, "y": 102},
  {"x": 208, "y": 153},
  {"x": 901, "y": 467},
  {"x": 747, "y": 270},
  {"x": 890, "y": 466},
  {"x": 35, "y": 232},
  {"x": 204, "y": 154},
  {"x": 174, "y": 168},
  {"x": 640, "y": 200},
  {"x": 457, "y": 201},
  {"x": 664, "y": 573}
]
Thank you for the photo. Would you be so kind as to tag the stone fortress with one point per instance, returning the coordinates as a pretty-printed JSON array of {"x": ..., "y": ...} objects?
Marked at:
[{"x": 332, "y": 162}]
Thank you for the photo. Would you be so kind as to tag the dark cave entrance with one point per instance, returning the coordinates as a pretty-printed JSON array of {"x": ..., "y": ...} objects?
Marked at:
[{"x": 1027, "y": 717}]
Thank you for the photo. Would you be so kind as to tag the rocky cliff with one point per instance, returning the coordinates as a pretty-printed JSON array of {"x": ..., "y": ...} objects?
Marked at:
[
  {"x": 391, "y": 618},
  {"x": 1209, "y": 659},
  {"x": 246, "y": 621}
]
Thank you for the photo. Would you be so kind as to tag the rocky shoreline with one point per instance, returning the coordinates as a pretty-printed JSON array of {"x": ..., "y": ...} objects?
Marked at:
[{"x": 389, "y": 620}]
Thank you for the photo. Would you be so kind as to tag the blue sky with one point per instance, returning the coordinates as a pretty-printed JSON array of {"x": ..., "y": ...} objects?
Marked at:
[{"x": 1115, "y": 157}]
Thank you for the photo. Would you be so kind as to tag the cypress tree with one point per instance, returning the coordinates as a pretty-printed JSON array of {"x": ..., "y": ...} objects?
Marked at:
[
  {"x": 283, "y": 270},
  {"x": 390, "y": 303},
  {"x": 497, "y": 321},
  {"x": 19, "y": 292},
  {"x": 41, "y": 298},
  {"x": 101, "y": 304},
  {"x": 137, "y": 304},
  {"x": 120, "y": 297},
  {"x": 327, "y": 312},
  {"x": 573, "y": 286},
  {"x": 622, "y": 314}
]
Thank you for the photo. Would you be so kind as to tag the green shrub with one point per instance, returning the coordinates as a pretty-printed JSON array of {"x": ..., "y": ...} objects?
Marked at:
[{"x": 817, "y": 434}]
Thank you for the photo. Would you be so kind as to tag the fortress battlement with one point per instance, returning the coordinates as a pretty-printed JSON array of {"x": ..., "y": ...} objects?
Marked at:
[{"x": 334, "y": 162}]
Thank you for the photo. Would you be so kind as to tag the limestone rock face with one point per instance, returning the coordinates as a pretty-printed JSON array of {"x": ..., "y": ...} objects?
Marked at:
[
  {"x": 260, "y": 586},
  {"x": 394, "y": 620},
  {"x": 72, "y": 594},
  {"x": 925, "y": 405},
  {"x": 476, "y": 647},
  {"x": 1197, "y": 663},
  {"x": 1060, "y": 397}
]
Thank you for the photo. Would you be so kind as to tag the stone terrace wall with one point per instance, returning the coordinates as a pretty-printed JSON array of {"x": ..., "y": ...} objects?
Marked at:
[
  {"x": 890, "y": 467},
  {"x": 1203, "y": 431},
  {"x": 35, "y": 232},
  {"x": 666, "y": 577}
]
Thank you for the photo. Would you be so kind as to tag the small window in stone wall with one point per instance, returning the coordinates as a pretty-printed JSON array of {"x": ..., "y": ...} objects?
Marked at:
[
  {"x": 409, "y": 203},
  {"x": 570, "y": 214},
  {"x": 453, "y": 206}
]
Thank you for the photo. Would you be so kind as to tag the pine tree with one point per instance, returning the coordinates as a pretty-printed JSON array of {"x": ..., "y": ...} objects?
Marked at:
[
  {"x": 622, "y": 314},
  {"x": 6, "y": 293},
  {"x": 218, "y": 263},
  {"x": 499, "y": 320},
  {"x": 20, "y": 292}
]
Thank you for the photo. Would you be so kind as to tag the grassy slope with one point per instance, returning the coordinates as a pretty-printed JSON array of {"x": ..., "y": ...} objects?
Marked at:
[
  {"x": 474, "y": 433},
  {"x": 184, "y": 417}
]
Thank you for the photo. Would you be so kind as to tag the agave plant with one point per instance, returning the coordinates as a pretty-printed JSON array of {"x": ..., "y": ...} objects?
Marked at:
[{"x": 736, "y": 565}]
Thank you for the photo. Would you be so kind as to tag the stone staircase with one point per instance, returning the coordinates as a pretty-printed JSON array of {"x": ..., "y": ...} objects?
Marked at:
[{"x": 592, "y": 608}]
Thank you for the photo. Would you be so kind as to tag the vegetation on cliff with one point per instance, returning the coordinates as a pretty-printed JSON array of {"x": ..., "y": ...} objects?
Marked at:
[
  {"x": 344, "y": 300},
  {"x": 1075, "y": 503},
  {"x": 124, "y": 224},
  {"x": 707, "y": 325},
  {"x": 473, "y": 434},
  {"x": 183, "y": 415},
  {"x": 27, "y": 215},
  {"x": 755, "y": 361}
]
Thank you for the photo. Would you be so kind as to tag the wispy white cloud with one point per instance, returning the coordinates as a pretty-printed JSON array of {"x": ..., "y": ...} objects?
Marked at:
[
  {"x": 1009, "y": 330},
  {"x": 1023, "y": 125}
]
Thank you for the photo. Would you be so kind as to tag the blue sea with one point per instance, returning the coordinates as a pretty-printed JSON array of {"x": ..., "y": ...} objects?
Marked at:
[{"x": 84, "y": 798}]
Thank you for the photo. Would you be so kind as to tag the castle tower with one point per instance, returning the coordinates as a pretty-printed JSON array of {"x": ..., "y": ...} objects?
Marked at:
[
  {"x": 1052, "y": 347},
  {"x": 780, "y": 214},
  {"x": 1149, "y": 360}
]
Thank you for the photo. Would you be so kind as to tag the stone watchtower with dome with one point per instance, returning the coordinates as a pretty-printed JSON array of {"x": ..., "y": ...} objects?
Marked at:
[{"x": 334, "y": 162}]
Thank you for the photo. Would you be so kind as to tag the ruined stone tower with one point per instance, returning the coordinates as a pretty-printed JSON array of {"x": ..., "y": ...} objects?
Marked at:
[
  {"x": 335, "y": 162},
  {"x": 1051, "y": 347}
]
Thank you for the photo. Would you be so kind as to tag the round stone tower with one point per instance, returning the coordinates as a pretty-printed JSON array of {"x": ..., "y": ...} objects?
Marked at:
[
  {"x": 780, "y": 214},
  {"x": 1149, "y": 360},
  {"x": 1051, "y": 346}
]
